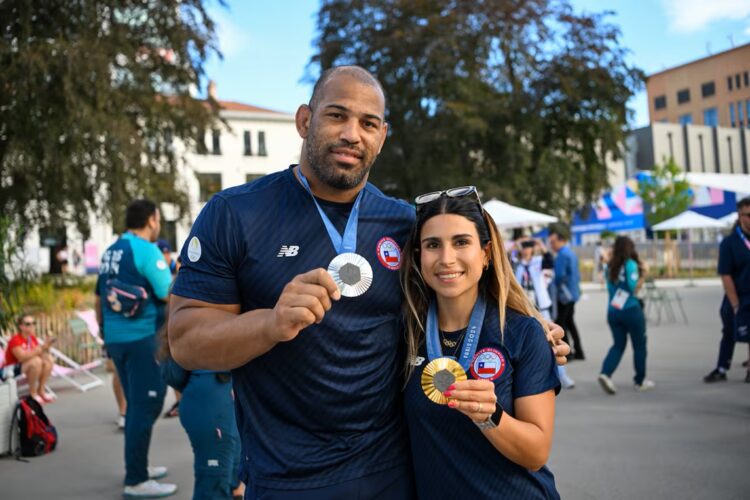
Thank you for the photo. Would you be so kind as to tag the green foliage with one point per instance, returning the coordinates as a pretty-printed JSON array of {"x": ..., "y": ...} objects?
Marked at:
[
  {"x": 666, "y": 194},
  {"x": 15, "y": 274},
  {"x": 526, "y": 99},
  {"x": 93, "y": 94}
]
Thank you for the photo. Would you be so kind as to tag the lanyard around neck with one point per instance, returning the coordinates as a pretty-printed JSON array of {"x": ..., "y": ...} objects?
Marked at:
[
  {"x": 742, "y": 237},
  {"x": 471, "y": 338},
  {"x": 347, "y": 242}
]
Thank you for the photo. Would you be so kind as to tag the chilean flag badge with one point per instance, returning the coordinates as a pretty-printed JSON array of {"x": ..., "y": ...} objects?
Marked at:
[
  {"x": 488, "y": 363},
  {"x": 389, "y": 253}
]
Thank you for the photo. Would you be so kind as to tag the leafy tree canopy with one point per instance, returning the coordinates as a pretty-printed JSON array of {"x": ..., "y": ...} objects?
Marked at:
[
  {"x": 92, "y": 94},
  {"x": 524, "y": 98}
]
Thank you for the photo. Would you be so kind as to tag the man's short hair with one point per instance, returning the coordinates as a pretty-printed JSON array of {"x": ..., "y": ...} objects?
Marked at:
[
  {"x": 138, "y": 213},
  {"x": 561, "y": 231},
  {"x": 744, "y": 202},
  {"x": 357, "y": 72}
]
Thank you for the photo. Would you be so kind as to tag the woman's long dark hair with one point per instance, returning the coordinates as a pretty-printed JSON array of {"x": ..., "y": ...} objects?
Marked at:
[
  {"x": 623, "y": 249},
  {"x": 497, "y": 283}
]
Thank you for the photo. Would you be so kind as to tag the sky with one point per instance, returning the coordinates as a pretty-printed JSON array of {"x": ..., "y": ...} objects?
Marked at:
[{"x": 267, "y": 45}]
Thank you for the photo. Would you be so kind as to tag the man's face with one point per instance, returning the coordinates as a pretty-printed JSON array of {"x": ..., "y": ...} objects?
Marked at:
[
  {"x": 527, "y": 253},
  {"x": 345, "y": 133},
  {"x": 743, "y": 215},
  {"x": 555, "y": 242}
]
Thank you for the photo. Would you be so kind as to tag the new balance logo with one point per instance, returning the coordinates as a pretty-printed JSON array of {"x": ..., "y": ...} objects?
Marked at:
[{"x": 288, "y": 251}]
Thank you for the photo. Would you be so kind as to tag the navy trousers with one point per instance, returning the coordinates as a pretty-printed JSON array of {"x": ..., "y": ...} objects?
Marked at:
[
  {"x": 726, "y": 347},
  {"x": 630, "y": 321},
  {"x": 144, "y": 391}
]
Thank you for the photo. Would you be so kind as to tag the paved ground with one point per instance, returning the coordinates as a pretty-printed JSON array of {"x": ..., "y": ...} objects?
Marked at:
[{"x": 683, "y": 440}]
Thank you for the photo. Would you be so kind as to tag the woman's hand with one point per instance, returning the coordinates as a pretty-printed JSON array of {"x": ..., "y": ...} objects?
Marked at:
[
  {"x": 555, "y": 334},
  {"x": 474, "y": 398}
]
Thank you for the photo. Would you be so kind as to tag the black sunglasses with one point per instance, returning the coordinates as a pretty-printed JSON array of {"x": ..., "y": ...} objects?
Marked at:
[
  {"x": 29, "y": 323},
  {"x": 456, "y": 192}
]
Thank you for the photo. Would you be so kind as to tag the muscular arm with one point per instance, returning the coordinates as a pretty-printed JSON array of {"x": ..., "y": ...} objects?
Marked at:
[
  {"x": 215, "y": 336},
  {"x": 730, "y": 290}
]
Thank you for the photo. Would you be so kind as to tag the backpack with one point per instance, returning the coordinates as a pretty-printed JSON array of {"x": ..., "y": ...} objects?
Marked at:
[{"x": 36, "y": 435}]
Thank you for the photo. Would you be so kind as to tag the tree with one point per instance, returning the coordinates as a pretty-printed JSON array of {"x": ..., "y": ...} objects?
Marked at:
[
  {"x": 524, "y": 98},
  {"x": 92, "y": 95},
  {"x": 665, "y": 193}
]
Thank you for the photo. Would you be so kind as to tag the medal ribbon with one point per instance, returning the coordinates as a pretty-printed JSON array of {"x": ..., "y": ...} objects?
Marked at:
[
  {"x": 742, "y": 237},
  {"x": 347, "y": 242},
  {"x": 471, "y": 338}
]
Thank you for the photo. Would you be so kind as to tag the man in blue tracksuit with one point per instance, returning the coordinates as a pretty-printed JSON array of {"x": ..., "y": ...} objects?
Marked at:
[
  {"x": 131, "y": 291},
  {"x": 567, "y": 281}
]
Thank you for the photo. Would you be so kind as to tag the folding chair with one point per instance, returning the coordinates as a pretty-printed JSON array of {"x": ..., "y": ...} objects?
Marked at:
[{"x": 71, "y": 368}]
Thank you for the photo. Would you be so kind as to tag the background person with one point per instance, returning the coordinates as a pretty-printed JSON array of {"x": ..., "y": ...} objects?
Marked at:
[
  {"x": 494, "y": 435},
  {"x": 567, "y": 285},
  {"x": 31, "y": 357},
  {"x": 734, "y": 269},
  {"x": 135, "y": 262},
  {"x": 624, "y": 276}
]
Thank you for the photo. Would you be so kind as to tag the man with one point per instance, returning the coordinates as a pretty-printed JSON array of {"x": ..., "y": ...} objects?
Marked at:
[
  {"x": 316, "y": 374},
  {"x": 134, "y": 267},
  {"x": 166, "y": 251},
  {"x": 734, "y": 269},
  {"x": 567, "y": 281},
  {"x": 31, "y": 357}
]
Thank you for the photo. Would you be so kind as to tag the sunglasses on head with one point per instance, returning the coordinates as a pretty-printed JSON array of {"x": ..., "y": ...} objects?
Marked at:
[{"x": 456, "y": 192}]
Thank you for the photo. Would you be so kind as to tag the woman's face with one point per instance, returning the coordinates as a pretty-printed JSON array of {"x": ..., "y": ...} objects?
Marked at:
[{"x": 452, "y": 257}]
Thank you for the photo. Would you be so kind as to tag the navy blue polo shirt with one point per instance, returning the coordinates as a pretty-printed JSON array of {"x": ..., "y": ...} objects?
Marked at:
[
  {"x": 452, "y": 458},
  {"x": 323, "y": 408},
  {"x": 734, "y": 260}
]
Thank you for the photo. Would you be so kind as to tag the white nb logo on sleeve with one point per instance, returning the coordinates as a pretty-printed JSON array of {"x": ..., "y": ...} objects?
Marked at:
[{"x": 288, "y": 251}]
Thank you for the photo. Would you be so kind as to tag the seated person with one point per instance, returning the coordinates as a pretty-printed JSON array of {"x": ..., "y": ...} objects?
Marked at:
[{"x": 31, "y": 357}]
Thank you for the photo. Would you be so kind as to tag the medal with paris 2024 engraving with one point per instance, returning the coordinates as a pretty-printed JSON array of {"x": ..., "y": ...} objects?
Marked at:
[
  {"x": 438, "y": 375},
  {"x": 352, "y": 274}
]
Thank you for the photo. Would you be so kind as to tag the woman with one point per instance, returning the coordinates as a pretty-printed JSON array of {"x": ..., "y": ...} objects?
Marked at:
[
  {"x": 31, "y": 358},
  {"x": 207, "y": 414},
  {"x": 624, "y": 276},
  {"x": 488, "y": 436}
]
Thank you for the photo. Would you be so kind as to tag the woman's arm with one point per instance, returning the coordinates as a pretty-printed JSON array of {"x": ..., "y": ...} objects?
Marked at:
[
  {"x": 23, "y": 356},
  {"x": 525, "y": 439}
]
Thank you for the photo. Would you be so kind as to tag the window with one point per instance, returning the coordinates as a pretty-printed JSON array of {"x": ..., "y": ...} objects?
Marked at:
[
  {"x": 262, "y": 144},
  {"x": 210, "y": 184},
  {"x": 200, "y": 143},
  {"x": 746, "y": 79},
  {"x": 740, "y": 114},
  {"x": 732, "y": 118},
  {"x": 747, "y": 112},
  {"x": 686, "y": 119},
  {"x": 729, "y": 82},
  {"x": 737, "y": 80},
  {"x": 660, "y": 102},
  {"x": 708, "y": 89},
  {"x": 216, "y": 142},
  {"x": 252, "y": 177},
  {"x": 248, "y": 143},
  {"x": 683, "y": 96},
  {"x": 710, "y": 117}
]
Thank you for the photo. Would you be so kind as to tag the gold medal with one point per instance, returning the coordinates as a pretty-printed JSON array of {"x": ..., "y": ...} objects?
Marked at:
[{"x": 438, "y": 375}]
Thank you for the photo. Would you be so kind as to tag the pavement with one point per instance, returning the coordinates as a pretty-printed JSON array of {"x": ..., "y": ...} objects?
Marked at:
[{"x": 685, "y": 439}]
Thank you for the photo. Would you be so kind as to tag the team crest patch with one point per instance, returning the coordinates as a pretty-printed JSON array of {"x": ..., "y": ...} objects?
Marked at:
[
  {"x": 488, "y": 364},
  {"x": 194, "y": 249},
  {"x": 389, "y": 254}
]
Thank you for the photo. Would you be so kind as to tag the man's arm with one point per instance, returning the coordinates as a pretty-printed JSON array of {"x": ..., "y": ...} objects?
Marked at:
[
  {"x": 731, "y": 291},
  {"x": 210, "y": 336}
]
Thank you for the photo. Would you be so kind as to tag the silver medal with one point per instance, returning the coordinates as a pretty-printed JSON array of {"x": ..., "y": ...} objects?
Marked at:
[{"x": 352, "y": 274}]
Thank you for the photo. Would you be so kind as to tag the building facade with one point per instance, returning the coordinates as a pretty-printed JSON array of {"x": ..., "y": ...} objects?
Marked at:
[
  {"x": 254, "y": 142},
  {"x": 712, "y": 91}
]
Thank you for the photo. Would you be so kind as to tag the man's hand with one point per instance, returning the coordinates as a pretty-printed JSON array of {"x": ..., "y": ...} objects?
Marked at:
[
  {"x": 559, "y": 347},
  {"x": 304, "y": 301}
]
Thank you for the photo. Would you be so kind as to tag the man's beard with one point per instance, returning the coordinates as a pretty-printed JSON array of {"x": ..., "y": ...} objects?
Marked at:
[{"x": 326, "y": 170}]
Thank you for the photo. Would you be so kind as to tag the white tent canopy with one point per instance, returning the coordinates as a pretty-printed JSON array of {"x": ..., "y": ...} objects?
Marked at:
[
  {"x": 729, "y": 219},
  {"x": 688, "y": 220},
  {"x": 509, "y": 216},
  {"x": 737, "y": 183}
]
